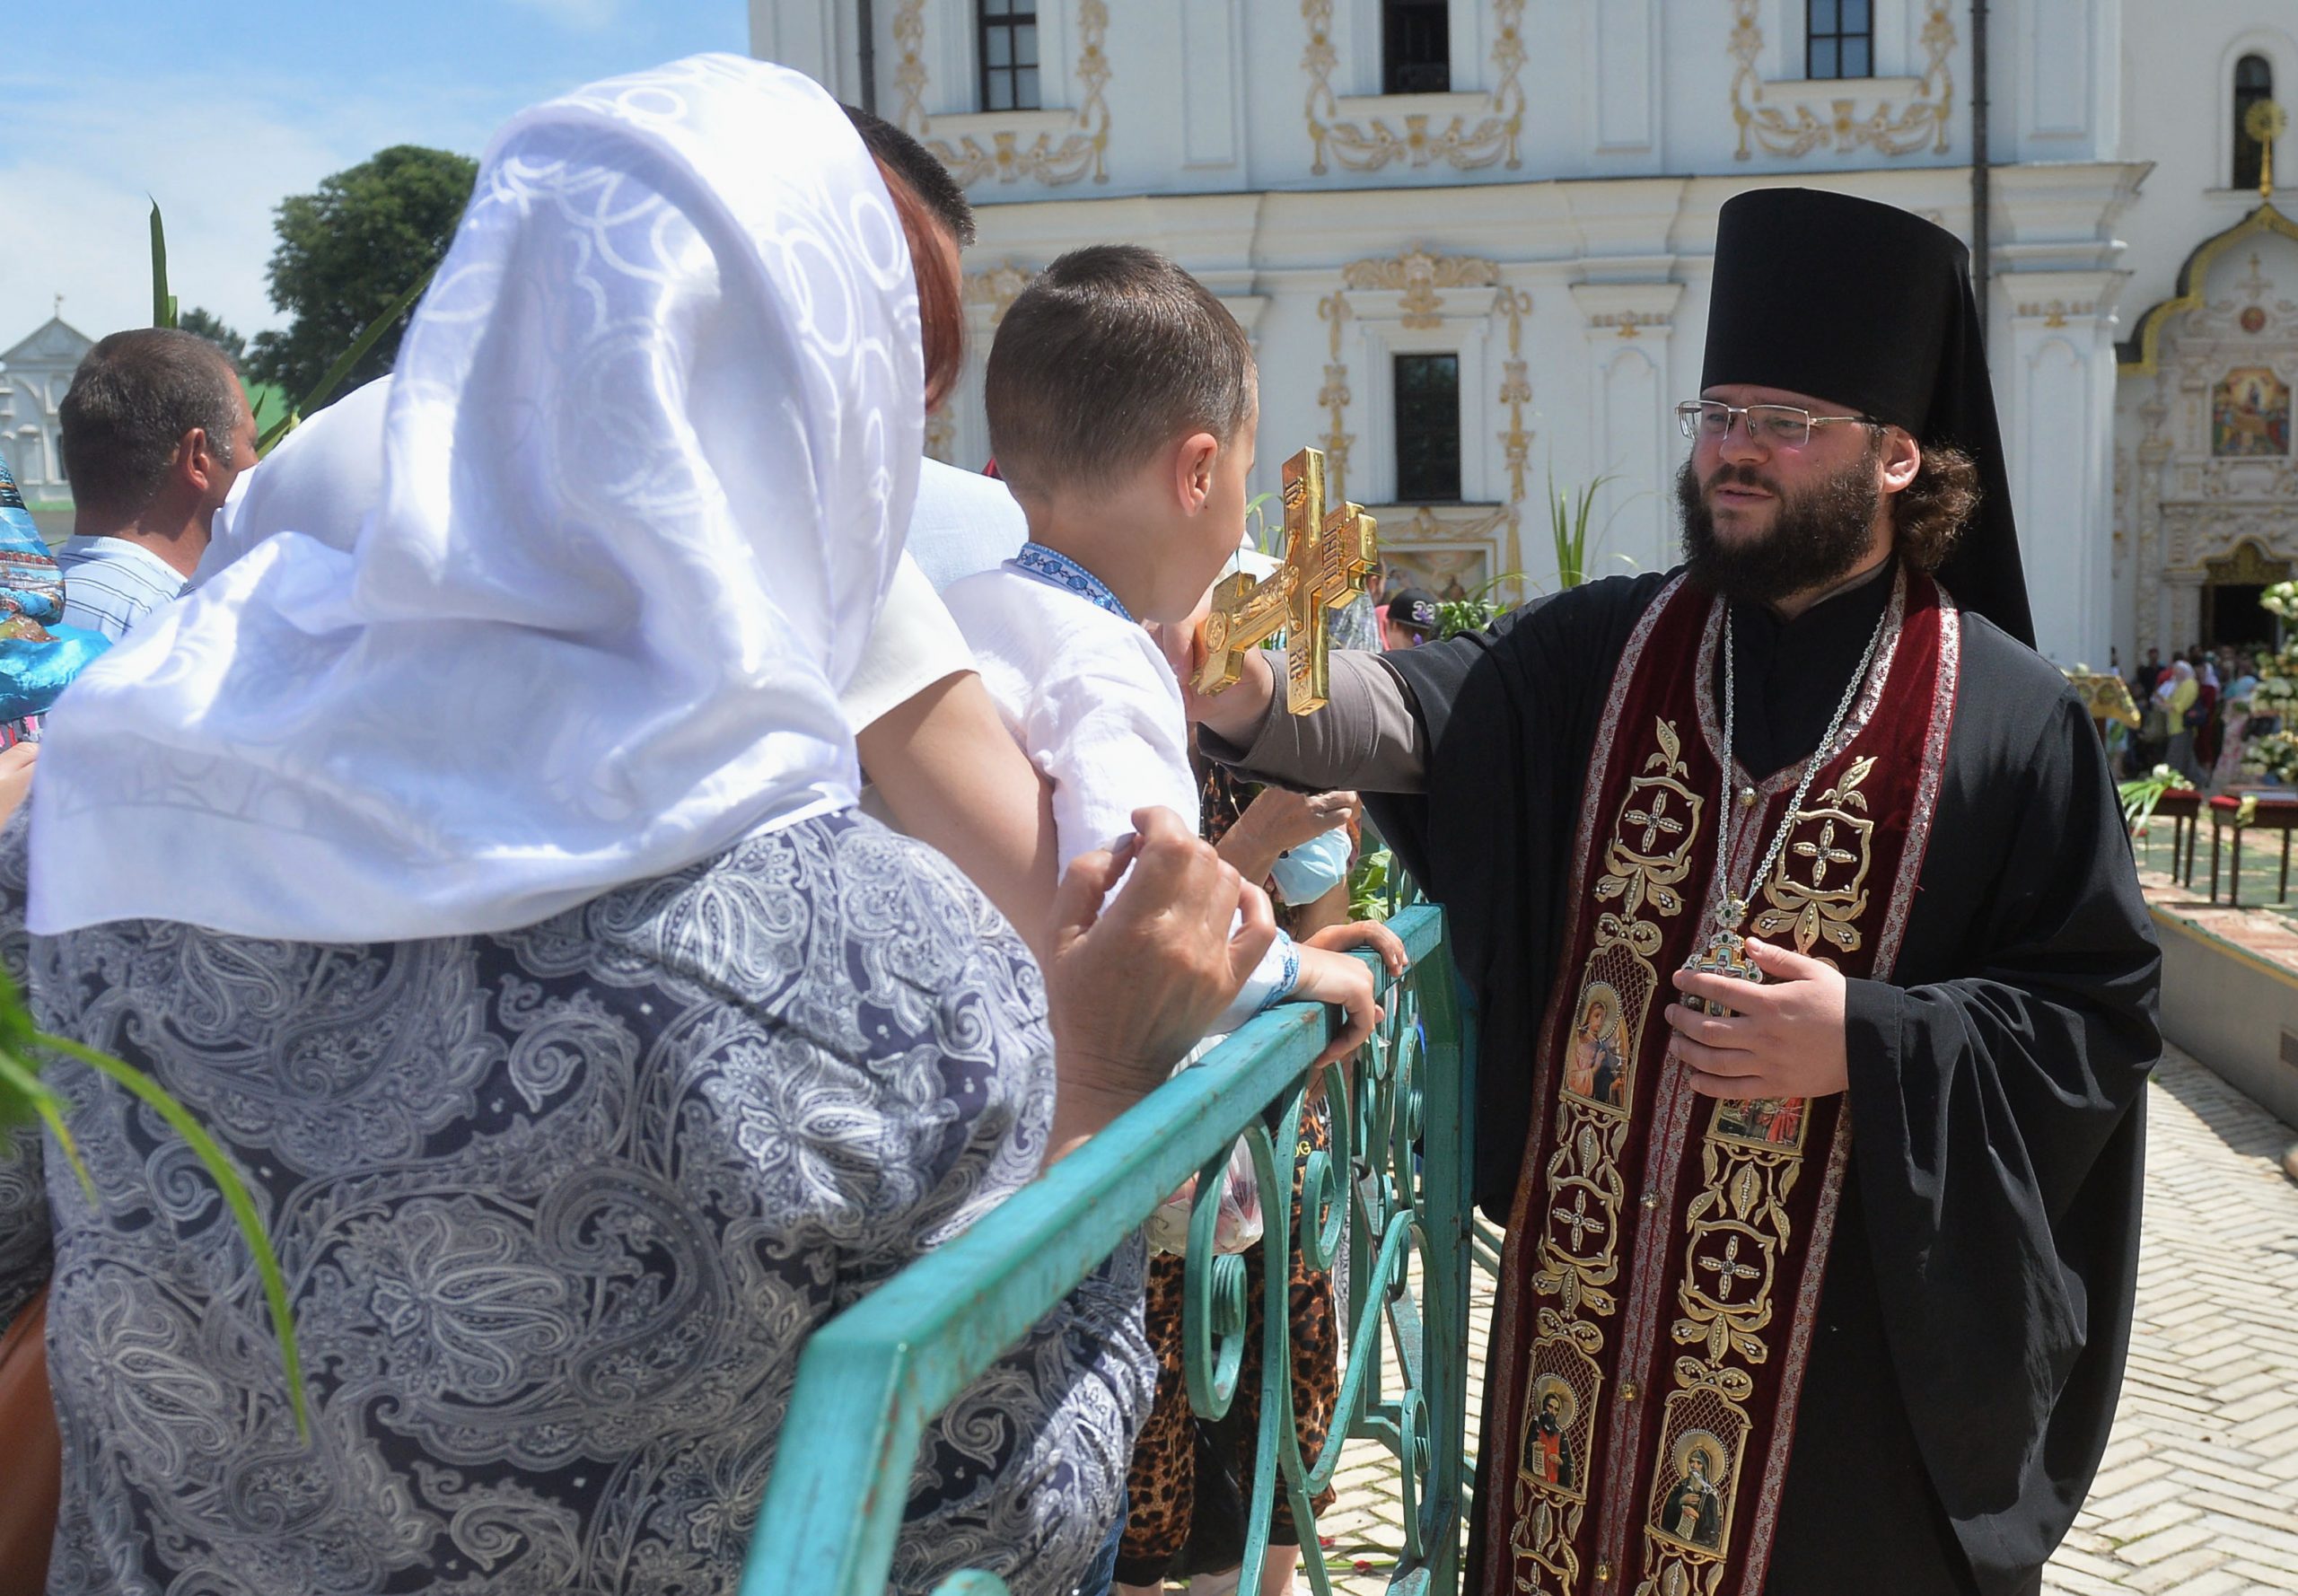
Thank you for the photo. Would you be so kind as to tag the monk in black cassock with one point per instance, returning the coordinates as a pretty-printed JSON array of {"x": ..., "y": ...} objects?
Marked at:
[{"x": 1863, "y": 1241}]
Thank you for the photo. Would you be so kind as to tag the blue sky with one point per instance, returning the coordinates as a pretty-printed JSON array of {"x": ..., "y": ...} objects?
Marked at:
[{"x": 220, "y": 111}]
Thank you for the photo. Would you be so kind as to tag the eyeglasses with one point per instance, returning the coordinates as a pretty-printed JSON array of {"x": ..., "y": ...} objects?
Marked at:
[{"x": 1781, "y": 426}]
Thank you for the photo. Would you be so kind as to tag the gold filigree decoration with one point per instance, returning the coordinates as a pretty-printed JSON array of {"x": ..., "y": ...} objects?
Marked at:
[
  {"x": 1333, "y": 311},
  {"x": 909, "y": 72},
  {"x": 1648, "y": 857},
  {"x": 1428, "y": 527},
  {"x": 1737, "y": 1232},
  {"x": 1370, "y": 145},
  {"x": 1888, "y": 129},
  {"x": 1630, "y": 324},
  {"x": 1650, "y": 851},
  {"x": 1818, "y": 889},
  {"x": 1417, "y": 275},
  {"x": 1082, "y": 150},
  {"x": 2144, "y": 348},
  {"x": 997, "y": 286}
]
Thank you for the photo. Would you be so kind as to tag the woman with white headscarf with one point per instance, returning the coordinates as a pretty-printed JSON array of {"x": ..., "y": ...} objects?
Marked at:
[
  {"x": 492, "y": 889},
  {"x": 2177, "y": 692}
]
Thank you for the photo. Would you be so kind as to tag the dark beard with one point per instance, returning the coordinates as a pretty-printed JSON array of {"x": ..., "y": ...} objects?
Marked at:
[{"x": 1817, "y": 539}]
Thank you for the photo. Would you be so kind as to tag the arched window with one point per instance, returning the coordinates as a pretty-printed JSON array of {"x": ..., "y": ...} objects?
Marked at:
[{"x": 2253, "y": 83}]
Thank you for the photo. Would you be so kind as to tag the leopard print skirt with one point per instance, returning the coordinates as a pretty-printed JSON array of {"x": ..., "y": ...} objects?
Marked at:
[{"x": 1190, "y": 1483}]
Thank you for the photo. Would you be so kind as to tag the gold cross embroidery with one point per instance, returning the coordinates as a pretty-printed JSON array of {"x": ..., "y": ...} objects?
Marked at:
[
  {"x": 1728, "y": 1270},
  {"x": 1328, "y": 554},
  {"x": 1577, "y": 1219},
  {"x": 1655, "y": 821},
  {"x": 1824, "y": 852}
]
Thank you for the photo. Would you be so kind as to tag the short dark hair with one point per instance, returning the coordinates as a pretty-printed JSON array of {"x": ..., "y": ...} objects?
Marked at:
[
  {"x": 919, "y": 167},
  {"x": 135, "y": 395},
  {"x": 1110, "y": 354},
  {"x": 1930, "y": 512}
]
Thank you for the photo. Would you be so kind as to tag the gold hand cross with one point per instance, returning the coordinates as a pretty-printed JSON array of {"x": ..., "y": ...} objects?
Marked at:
[{"x": 1328, "y": 556}]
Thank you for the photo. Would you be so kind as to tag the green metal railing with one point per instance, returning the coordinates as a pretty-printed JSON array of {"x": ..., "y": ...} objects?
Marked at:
[{"x": 871, "y": 1380}]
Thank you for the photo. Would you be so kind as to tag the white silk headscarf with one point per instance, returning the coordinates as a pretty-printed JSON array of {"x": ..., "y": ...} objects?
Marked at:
[{"x": 650, "y": 444}]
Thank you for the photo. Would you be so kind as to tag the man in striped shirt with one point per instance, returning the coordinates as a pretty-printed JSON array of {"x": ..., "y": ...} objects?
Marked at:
[{"x": 155, "y": 430}]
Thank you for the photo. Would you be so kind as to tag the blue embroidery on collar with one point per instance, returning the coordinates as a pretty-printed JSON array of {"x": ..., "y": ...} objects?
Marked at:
[{"x": 1050, "y": 564}]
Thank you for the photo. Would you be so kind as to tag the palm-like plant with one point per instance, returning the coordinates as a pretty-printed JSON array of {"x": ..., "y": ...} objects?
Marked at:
[{"x": 25, "y": 1047}]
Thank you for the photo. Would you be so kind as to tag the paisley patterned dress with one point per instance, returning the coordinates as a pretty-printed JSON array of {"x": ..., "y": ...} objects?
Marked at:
[{"x": 557, "y": 1208}]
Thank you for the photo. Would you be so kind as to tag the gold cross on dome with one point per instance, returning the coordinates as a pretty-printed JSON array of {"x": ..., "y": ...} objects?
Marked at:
[{"x": 1328, "y": 554}]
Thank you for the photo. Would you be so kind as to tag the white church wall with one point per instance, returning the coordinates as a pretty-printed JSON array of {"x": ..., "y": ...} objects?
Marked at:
[
  {"x": 2178, "y": 72},
  {"x": 1248, "y": 140}
]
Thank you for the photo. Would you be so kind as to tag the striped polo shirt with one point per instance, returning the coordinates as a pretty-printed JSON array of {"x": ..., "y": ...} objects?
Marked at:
[{"x": 111, "y": 584}]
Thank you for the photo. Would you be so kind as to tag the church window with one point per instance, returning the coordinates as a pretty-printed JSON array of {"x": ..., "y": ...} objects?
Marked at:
[
  {"x": 1416, "y": 46},
  {"x": 2253, "y": 83},
  {"x": 1839, "y": 38},
  {"x": 1009, "y": 54},
  {"x": 1428, "y": 428}
]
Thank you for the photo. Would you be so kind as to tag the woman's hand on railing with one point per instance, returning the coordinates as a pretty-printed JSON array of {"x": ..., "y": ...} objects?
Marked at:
[{"x": 1133, "y": 981}]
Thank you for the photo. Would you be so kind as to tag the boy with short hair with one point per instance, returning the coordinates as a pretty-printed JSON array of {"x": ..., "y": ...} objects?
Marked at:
[{"x": 1123, "y": 403}]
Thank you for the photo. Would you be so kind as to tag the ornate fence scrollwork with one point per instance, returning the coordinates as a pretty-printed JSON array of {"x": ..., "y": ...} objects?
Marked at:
[{"x": 1394, "y": 1190}]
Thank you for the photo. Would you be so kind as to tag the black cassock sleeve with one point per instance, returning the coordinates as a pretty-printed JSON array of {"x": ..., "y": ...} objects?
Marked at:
[
  {"x": 1510, "y": 717},
  {"x": 1998, "y": 1115}
]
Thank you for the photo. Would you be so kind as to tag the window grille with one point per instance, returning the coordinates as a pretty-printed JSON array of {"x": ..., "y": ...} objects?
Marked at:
[
  {"x": 1839, "y": 38},
  {"x": 1428, "y": 428},
  {"x": 2253, "y": 82},
  {"x": 1008, "y": 30},
  {"x": 1416, "y": 46}
]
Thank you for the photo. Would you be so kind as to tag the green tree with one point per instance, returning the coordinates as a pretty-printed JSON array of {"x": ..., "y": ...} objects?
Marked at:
[
  {"x": 208, "y": 325},
  {"x": 345, "y": 255}
]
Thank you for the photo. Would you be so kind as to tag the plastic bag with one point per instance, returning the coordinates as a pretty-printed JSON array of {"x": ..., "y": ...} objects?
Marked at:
[
  {"x": 1239, "y": 1225},
  {"x": 39, "y": 656}
]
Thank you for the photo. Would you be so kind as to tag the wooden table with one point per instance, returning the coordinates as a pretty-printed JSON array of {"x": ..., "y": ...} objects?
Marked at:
[
  {"x": 2182, "y": 806},
  {"x": 2276, "y": 813}
]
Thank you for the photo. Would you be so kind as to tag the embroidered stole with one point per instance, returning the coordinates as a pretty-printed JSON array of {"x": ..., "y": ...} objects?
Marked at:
[{"x": 1664, "y": 1255}]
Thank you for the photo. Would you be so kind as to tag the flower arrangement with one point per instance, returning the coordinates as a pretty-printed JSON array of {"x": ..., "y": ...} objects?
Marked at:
[{"x": 2140, "y": 794}]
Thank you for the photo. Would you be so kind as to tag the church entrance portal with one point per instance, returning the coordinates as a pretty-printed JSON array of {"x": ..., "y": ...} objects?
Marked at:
[{"x": 2231, "y": 615}]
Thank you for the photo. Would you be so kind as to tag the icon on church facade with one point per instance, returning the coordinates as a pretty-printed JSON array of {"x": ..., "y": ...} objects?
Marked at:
[{"x": 2249, "y": 414}]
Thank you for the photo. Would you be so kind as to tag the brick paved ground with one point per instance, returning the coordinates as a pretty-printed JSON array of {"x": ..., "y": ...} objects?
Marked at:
[{"x": 2198, "y": 1494}]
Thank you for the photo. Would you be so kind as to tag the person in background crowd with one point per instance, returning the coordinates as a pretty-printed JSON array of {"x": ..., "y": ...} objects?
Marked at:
[
  {"x": 2234, "y": 723},
  {"x": 156, "y": 428},
  {"x": 2145, "y": 678},
  {"x": 2204, "y": 717},
  {"x": 2177, "y": 693},
  {"x": 1412, "y": 618}
]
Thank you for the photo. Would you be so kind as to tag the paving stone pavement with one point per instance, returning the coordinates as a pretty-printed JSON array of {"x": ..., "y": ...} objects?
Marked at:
[{"x": 2198, "y": 1492}]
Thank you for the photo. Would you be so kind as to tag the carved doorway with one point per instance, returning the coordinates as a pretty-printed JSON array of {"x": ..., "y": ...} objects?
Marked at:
[{"x": 2231, "y": 615}]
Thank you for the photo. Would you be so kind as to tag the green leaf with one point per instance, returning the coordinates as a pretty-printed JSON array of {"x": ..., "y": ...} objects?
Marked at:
[
  {"x": 21, "y": 1088},
  {"x": 325, "y": 388},
  {"x": 235, "y": 1197},
  {"x": 164, "y": 303}
]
